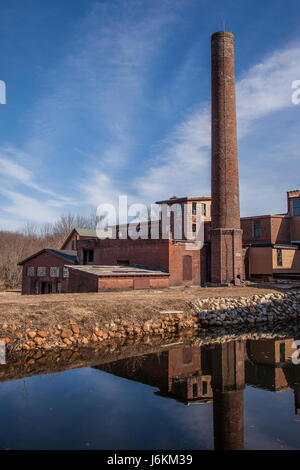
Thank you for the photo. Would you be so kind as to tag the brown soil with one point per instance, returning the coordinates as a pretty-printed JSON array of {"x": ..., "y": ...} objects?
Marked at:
[{"x": 88, "y": 309}]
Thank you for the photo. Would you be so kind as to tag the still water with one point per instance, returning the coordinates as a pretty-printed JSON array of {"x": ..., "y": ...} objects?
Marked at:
[{"x": 242, "y": 394}]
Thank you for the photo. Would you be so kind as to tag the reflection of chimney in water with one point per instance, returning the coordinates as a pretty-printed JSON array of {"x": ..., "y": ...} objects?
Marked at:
[{"x": 228, "y": 382}]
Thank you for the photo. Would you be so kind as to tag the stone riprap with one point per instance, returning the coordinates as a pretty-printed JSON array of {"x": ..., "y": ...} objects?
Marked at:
[{"x": 266, "y": 308}]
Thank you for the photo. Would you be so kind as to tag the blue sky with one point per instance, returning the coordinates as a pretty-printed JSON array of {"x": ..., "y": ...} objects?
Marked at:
[{"x": 113, "y": 97}]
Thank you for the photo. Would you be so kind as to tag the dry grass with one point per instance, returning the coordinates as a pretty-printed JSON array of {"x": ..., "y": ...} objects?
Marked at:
[{"x": 92, "y": 308}]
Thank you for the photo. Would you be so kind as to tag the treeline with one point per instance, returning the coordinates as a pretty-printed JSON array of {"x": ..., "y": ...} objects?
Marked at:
[{"x": 15, "y": 246}]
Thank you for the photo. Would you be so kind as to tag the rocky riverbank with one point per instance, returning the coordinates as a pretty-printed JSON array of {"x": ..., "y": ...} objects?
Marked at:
[
  {"x": 256, "y": 309},
  {"x": 78, "y": 334},
  {"x": 200, "y": 316}
]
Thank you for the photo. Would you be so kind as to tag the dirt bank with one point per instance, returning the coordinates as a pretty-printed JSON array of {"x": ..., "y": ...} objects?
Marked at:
[{"x": 66, "y": 320}]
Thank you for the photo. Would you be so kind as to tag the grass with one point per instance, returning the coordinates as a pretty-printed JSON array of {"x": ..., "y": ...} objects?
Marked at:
[{"x": 89, "y": 309}]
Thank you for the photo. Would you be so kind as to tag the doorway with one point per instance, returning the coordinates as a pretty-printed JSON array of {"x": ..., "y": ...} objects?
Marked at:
[{"x": 46, "y": 288}]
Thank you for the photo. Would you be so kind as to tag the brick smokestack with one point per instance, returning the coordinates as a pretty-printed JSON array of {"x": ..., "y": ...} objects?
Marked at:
[{"x": 226, "y": 234}]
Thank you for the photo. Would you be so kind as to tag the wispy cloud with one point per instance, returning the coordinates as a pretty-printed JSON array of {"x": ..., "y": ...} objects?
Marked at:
[
  {"x": 89, "y": 135},
  {"x": 183, "y": 165}
]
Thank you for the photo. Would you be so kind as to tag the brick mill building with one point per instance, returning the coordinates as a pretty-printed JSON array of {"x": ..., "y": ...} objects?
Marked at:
[{"x": 229, "y": 250}]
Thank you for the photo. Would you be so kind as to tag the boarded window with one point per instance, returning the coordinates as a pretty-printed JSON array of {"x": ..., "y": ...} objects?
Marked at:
[
  {"x": 41, "y": 271},
  {"x": 54, "y": 271},
  {"x": 187, "y": 268},
  {"x": 65, "y": 272},
  {"x": 30, "y": 271},
  {"x": 187, "y": 355},
  {"x": 141, "y": 283}
]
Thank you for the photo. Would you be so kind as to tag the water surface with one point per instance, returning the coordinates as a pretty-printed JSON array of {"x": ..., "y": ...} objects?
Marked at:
[{"x": 242, "y": 394}]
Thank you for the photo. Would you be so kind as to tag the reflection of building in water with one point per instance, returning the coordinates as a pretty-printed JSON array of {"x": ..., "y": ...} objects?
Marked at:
[
  {"x": 197, "y": 375},
  {"x": 264, "y": 367},
  {"x": 217, "y": 373},
  {"x": 180, "y": 373},
  {"x": 269, "y": 366}
]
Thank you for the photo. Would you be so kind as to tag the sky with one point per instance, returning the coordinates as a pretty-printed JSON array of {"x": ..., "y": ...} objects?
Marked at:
[{"x": 112, "y": 97}]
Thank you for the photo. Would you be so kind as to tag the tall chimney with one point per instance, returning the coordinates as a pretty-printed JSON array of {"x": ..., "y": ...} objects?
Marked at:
[{"x": 226, "y": 234}]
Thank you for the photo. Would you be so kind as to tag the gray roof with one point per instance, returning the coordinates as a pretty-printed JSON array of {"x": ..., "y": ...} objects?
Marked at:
[
  {"x": 68, "y": 255},
  {"x": 115, "y": 271}
]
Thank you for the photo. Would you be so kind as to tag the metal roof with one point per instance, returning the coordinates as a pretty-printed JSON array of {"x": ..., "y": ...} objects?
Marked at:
[
  {"x": 117, "y": 271},
  {"x": 69, "y": 255}
]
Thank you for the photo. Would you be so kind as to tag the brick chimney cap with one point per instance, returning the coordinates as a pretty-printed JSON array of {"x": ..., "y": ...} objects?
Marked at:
[{"x": 220, "y": 34}]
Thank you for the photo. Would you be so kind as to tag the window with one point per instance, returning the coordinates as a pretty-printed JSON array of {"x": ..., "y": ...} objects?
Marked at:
[
  {"x": 41, "y": 271},
  {"x": 54, "y": 271},
  {"x": 279, "y": 257},
  {"x": 256, "y": 228},
  {"x": 203, "y": 209},
  {"x": 194, "y": 228},
  {"x": 194, "y": 208},
  {"x": 195, "y": 390},
  {"x": 30, "y": 271},
  {"x": 88, "y": 256},
  {"x": 65, "y": 272},
  {"x": 296, "y": 207},
  {"x": 123, "y": 262},
  {"x": 204, "y": 388},
  {"x": 73, "y": 245}
]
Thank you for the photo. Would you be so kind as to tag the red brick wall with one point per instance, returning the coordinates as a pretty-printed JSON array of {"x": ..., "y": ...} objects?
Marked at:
[
  {"x": 152, "y": 253},
  {"x": 178, "y": 252},
  {"x": 80, "y": 281},
  {"x": 124, "y": 283},
  {"x": 46, "y": 260},
  {"x": 280, "y": 230},
  {"x": 161, "y": 254},
  {"x": 272, "y": 230}
]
